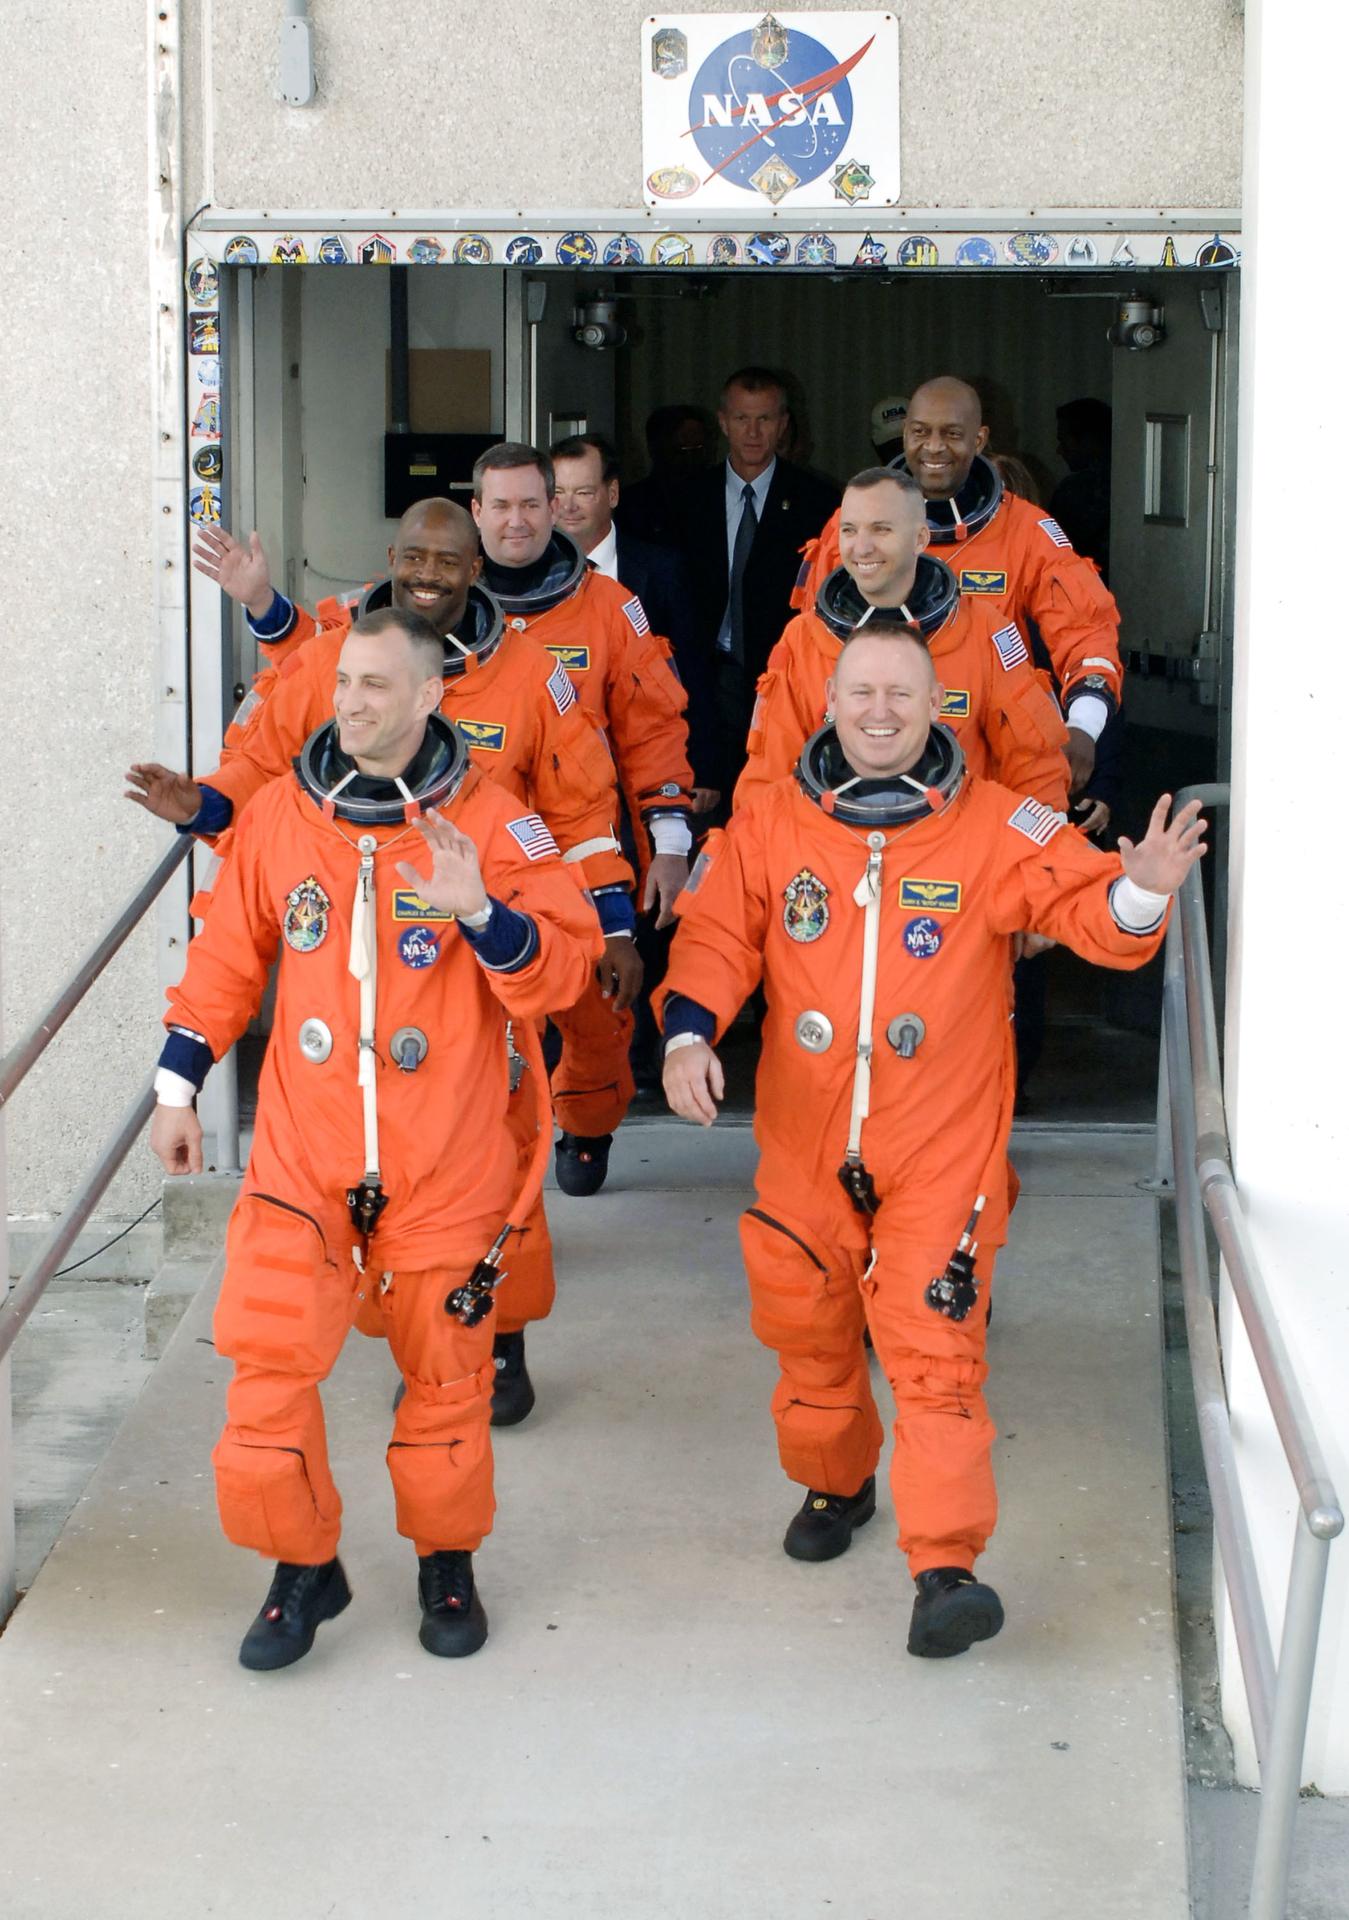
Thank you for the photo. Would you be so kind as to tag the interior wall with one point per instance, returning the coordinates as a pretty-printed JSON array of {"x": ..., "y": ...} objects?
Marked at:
[
  {"x": 344, "y": 334},
  {"x": 850, "y": 342}
]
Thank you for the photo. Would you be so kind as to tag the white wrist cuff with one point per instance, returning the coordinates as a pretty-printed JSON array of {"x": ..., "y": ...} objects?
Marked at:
[
  {"x": 477, "y": 920},
  {"x": 1088, "y": 713},
  {"x": 671, "y": 834},
  {"x": 621, "y": 933},
  {"x": 1134, "y": 907},
  {"x": 172, "y": 1090},
  {"x": 683, "y": 1040}
]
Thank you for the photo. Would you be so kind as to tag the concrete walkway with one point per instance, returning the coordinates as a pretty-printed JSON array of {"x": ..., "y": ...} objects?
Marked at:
[{"x": 671, "y": 1718}]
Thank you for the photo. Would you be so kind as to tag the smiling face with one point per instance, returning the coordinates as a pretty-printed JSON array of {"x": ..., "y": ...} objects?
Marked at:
[
  {"x": 943, "y": 431},
  {"x": 382, "y": 699},
  {"x": 514, "y": 515},
  {"x": 433, "y": 563},
  {"x": 584, "y": 502},
  {"x": 885, "y": 697},
  {"x": 882, "y": 529}
]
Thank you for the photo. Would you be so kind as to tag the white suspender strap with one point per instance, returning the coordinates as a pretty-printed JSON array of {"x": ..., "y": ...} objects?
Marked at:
[
  {"x": 361, "y": 965},
  {"x": 868, "y": 896}
]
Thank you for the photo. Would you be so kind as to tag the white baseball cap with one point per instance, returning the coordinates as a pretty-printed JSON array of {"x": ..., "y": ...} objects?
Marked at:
[{"x": 887, "y": 418}]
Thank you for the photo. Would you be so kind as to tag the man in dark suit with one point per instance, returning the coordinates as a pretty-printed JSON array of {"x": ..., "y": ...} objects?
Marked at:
[{"x": 746, "y": 521}]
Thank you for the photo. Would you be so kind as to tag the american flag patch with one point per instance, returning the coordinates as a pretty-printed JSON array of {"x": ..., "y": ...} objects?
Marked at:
[
  {"x": 561, "y": 688},
  {"x": 1056, "y": 533},
  {"x": 636, "y": 613},
  {"x": 531, "y": 836},
  {"x": 1039, "y": 823},
  {"x": 1011, "y": 647}
]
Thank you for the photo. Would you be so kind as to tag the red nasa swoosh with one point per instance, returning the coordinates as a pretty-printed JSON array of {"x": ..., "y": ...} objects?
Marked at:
[{"x": 809, "y": 90}]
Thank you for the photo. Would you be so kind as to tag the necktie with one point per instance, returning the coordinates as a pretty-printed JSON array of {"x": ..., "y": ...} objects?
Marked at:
[{"x": 744, "y": 540}]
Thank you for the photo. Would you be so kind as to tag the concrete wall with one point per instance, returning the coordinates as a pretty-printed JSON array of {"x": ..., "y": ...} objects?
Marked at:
[
  {"x": 75, "y": 550},
  {"x": 1001, "y": 105}
]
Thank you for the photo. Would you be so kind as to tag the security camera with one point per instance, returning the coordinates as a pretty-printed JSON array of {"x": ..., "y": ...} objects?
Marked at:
[
  {"x": 596, "y": 325},
  {"x": 1139, "y": 324}
]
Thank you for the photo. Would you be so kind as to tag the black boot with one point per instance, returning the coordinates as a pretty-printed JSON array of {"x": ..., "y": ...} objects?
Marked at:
[
  {"x": 952, "y": 1611},
  {"x": 823, "y": 1528},
  {"x": 512, "y": 1390},
  {"x": 582, "y": 1162},
  {"x": 297, "y": 1603},
  {"x": 453, "y": 1621}
]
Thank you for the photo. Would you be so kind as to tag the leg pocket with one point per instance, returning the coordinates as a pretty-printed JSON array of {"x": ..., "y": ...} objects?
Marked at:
[
  {"x": 284, "y": 1304},
  {"x": 803, "y": 1295}
]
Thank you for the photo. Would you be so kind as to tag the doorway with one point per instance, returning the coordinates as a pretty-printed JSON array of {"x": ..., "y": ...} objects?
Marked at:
[{"x": 311, "y": 408}]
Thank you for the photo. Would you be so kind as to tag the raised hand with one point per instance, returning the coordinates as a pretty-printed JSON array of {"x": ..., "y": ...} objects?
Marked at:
[
  {"x": 455, "y": 885},
  {"x": 162, "y": 792},
  {"x": 1164, "y": 855},
  {"x": 240, "y": 571}
]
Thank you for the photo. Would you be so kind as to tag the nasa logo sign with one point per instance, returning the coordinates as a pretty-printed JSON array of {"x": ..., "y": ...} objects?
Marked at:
[{"x": 766, "y": 109}]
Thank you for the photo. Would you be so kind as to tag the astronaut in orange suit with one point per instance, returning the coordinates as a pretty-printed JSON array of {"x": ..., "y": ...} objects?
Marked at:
[
  {"x": 992, "y": 698},
  {"x": 523, "y": 724},
  {"x": 1006, "y": 552},
  {"x": 873, "y": 894},
  {"x": 418, "y": 907},
  {"x": 621, "y": 670}
]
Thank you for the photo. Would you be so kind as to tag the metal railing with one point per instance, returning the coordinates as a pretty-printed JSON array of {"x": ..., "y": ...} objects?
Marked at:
[
  {"x": 19, "y": 1302},
  {"x": 1279, "y": 1696}
]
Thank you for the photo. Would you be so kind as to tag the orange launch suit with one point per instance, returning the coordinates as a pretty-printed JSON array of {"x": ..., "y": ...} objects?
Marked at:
[
  {"x": 622, "y": 674},
  {"x": 953, "y": 887},
  {"x": 292, "y": 1284},
  {"x": 507, "y": 709}
]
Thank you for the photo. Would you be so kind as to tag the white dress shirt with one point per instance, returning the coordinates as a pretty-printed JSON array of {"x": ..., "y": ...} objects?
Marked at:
[{"x": 603, "y": 556}]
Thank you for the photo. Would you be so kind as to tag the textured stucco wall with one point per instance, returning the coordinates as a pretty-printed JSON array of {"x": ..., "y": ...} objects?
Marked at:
[
  {"x": 439, "y": 103},
  {"x": 74, "y": 548}
]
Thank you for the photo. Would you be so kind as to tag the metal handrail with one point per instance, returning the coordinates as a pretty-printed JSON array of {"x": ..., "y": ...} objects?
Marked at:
[
  {"x": 25, "y": 1293},
  {"x": 25, "y": 1053},
  {"x": 1279, "y": 1697},
  {"x": 18, "y": 1304}
]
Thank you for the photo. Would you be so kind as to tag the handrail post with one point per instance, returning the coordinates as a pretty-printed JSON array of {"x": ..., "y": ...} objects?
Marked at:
[
  {"x": 1281, "y": 1778},
  {"x": 218, "y": 1110},
  {"x": 1162, "y": 1179}
]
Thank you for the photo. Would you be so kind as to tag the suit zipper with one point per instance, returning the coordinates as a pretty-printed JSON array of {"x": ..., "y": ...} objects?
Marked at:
[{"x": 756, "y": 1213}]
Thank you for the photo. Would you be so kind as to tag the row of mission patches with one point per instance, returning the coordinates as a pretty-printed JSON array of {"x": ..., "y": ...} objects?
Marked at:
[{"x": 1025, "y": 249}]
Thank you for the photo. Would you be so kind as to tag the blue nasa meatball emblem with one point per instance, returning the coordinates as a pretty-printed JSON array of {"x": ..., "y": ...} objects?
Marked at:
[
  {"x": 778, "y": 101},
  {"x": 418, "y": 947},
  {"x": 922, "y": 937}
]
